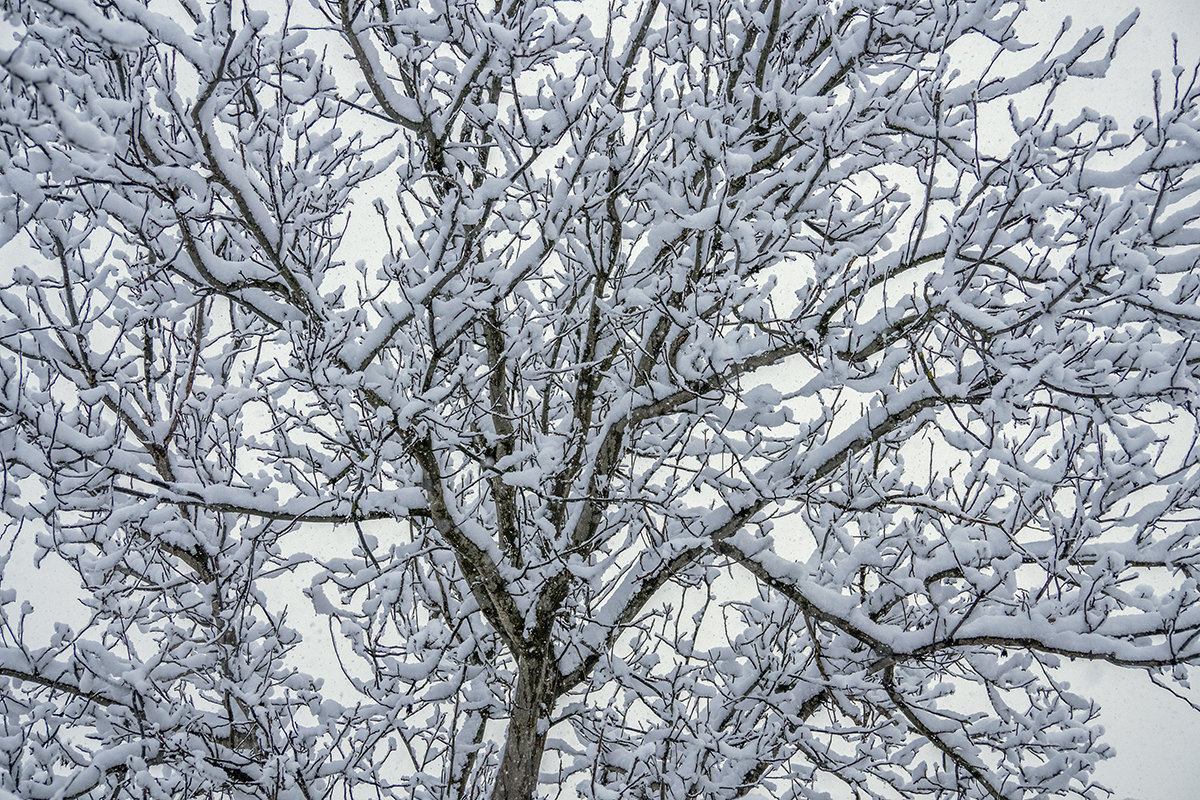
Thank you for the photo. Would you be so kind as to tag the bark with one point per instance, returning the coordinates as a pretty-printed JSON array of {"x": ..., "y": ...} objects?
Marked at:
[{"x": 533, "y": 700}]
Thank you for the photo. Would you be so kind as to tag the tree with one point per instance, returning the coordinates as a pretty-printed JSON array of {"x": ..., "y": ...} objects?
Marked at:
[{"x": 724, "y": 398}]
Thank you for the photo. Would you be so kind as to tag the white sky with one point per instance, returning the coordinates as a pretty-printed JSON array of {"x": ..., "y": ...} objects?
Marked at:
[{"x": 1157, "y": 736}]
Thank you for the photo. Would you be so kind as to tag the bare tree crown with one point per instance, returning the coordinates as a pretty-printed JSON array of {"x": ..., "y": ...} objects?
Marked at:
[{"x": 724, "y": 398}]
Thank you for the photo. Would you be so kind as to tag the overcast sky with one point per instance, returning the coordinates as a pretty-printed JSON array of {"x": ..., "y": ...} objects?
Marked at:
[{"x": 1157, "y": 736}]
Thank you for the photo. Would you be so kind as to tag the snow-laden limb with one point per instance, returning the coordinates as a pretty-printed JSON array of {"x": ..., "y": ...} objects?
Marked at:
[{"x": 707, "y": 406}]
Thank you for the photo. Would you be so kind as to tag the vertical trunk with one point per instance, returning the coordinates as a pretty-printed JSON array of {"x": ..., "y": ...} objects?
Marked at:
[{"x": 533, "y": 701}]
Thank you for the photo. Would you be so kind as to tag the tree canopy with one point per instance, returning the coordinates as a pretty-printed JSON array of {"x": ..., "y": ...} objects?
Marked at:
[{"x": 725, "y": 398}]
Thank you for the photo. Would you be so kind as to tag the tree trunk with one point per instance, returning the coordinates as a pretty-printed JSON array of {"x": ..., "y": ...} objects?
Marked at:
[{"x": 517, "y": 778}]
